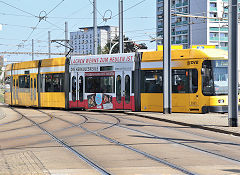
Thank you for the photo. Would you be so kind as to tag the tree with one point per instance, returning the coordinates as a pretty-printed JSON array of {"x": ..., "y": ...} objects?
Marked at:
[{"x": 130, "y": 46}]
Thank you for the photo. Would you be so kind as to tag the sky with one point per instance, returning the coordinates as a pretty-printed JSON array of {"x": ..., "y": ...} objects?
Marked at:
[{"x": 20, "y": 21}]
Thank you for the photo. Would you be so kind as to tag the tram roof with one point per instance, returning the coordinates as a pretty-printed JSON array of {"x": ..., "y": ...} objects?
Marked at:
[
  {"x": 25, "y": 65},
  {"x": 8, "y": 67},
  {"x": 52, "y": 62},
  {"x": 186, "y": 54}
]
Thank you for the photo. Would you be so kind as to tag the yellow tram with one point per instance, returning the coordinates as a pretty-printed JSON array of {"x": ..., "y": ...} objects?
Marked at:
[
  {"x": 37, "y": 83},
  {"x": 199, "y": 80}
]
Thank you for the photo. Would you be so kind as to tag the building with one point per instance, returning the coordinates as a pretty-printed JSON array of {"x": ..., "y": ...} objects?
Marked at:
[
  {"x": 82, "y": 40},
  {"x": 196, "y": 31}
]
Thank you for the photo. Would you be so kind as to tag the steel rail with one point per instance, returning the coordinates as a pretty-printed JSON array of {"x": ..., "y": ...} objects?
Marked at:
[
  {"x": 185, "y": 145},
  {"x": 178, "y": 130},
  {"x": 152, "y": 157},
  {"x": 80, "y": 155}
]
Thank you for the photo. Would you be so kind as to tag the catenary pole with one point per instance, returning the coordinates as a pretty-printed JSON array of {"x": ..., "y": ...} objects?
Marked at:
[
  {"x": 32, "y": 49},
  {"x": 233, "y": 64},
  {"x": 121, "y": 26},
  {"x": 95, "y": 36},
  {"x": 167, "y": 83},
  {"x": 66, "y": 38},
  {"x": 49, "y": 44}
]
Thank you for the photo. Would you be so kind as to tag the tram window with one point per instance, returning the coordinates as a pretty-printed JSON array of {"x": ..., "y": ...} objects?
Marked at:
[
  {"x": 74, "y": 88},
  {"x": 58, "y": 82},
  {"x": 184, "y": 81},
  {"x": 152, "y": 81},
  {"x": 132, "y": 81},
  {"x": 24, "y": 83},
  {"x": 52, "y": 83},
  {"x": 7, "y": 84},
  {"x": 99, "y": 84},
  {"x": 180, "y": 83},
  {"x": 35, "y": 83},
  {"x": 81, "y": 88},
  {"x": 42, "y": 82},
  {"x": 48, "y": 83},
  {"x": 194, "y": 80},
  {"x": 17, "y": 83},
  {"x": 127, "y": 89},
  {"x": 215, "y": 77},
  {"x": 118, "y": 89},
  {"x": 106, "y": 68}
]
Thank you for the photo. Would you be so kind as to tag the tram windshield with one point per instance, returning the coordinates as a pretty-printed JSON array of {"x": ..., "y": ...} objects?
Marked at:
[{"x": 215, "y": 77}]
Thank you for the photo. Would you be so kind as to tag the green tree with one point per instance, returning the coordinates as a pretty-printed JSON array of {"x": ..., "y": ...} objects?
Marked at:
[{"x": 129, "y": 46}]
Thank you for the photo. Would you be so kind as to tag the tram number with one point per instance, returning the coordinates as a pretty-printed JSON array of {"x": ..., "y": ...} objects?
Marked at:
[
  {"x": 193, "y": 103},
  {"x": 72, "y": 69}
]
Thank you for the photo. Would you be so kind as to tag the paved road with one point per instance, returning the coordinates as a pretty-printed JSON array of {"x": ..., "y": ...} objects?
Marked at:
[{"x": 110, "y": 140}]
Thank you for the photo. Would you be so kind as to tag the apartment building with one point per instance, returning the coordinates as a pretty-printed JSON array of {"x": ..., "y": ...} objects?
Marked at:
[
  {"x": 196, "y": 31},
  {"x": 82, "y": 40}
]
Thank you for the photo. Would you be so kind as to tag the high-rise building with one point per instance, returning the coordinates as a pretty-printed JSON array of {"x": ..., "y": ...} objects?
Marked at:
[
  {"x": 188, "y": 31},
  {"x": 82, "y": 40}
]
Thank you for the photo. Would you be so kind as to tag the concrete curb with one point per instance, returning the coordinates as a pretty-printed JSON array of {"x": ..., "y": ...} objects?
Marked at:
[{"x": 185, "y": 124}]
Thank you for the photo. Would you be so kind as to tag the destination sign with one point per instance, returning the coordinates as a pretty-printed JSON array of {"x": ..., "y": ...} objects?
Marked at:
[{"x": 113, "y": 58}]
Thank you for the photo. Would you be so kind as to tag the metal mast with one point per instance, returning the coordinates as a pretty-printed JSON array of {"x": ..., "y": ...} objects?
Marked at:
[
  {"x": 233, "y": 63},
  {"x": 49, "y": 44},
  {"x": 121, "y": 26},
  {"x": 32, "y": 49},
  {"x": 66, "y": 38},
  {"x": 95, "y": 37},
  {"x": 167, "y": 76}
]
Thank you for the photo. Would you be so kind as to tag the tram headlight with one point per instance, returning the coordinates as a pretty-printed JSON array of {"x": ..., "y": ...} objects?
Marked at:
[{"x": 220, "y": 101}]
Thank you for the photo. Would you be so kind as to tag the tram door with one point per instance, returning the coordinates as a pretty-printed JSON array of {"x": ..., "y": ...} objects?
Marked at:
[
  {"x": 33, "y": 90},
  {"x": 123, "y": 89},
  {"x": 76, "y": 91},
  {"x": 80, "y": 85},
  {"x": 14, "y": 91}
]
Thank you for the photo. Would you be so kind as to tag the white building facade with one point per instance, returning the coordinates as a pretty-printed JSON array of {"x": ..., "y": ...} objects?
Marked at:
[
  {"x": 82, "y": 40},
  {"x": 196, "y": 31}
]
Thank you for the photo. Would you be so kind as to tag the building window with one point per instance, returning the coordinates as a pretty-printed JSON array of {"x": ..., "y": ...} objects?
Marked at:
[{"x": 213, "y": 4}]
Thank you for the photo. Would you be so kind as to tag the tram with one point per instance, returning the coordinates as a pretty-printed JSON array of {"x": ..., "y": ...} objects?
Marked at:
[
  {"x": 199, "y": 81},
  {"x": 129, "y": 81},
  {"x": 102, "y": 82},
  {"x": 40, "y": 83}
]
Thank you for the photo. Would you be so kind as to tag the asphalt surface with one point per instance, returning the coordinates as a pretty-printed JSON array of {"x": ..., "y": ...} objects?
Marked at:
[{"x": 197, "y": 143}]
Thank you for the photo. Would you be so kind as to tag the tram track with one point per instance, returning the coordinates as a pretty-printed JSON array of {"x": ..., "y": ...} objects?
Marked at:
[
  {"x": 118, "y": 123},
  {"x": 97, "y": 133},
  {"x": 65, "y": 145},
  {"x": 154, "y": 136},
  {"x": 152, "y": 157}
]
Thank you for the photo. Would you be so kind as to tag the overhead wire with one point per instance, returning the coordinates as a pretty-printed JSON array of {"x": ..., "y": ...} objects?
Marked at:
[
  {"x": 96, "y": 9},
  {"x": 18, "y": 8},
  {"x": 22, "y": 26},
  {"x": 125, "y": 10},
  {"x": 54, "y": 8}
]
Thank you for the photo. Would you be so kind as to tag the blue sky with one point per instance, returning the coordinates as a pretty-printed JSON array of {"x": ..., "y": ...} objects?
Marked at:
[{"x": 20, "y": 17}]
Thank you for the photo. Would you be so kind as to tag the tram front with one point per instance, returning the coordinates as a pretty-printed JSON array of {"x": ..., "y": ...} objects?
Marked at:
[{"x": 215, "y": 85}]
